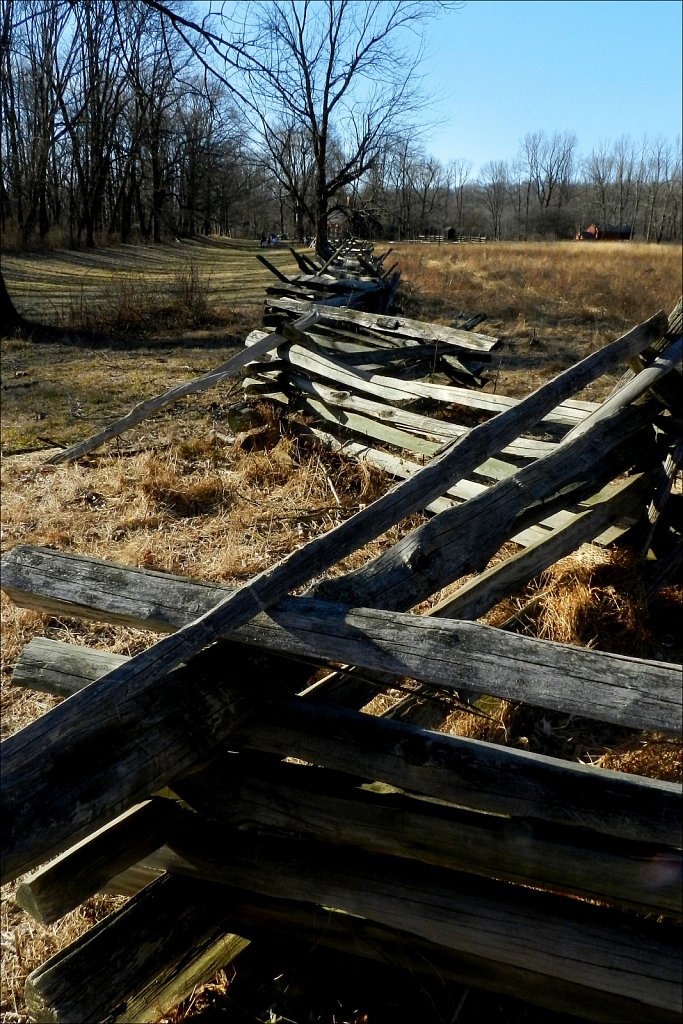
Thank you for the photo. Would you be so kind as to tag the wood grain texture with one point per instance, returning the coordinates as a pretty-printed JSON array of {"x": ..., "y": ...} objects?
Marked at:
[{"x": 466, "y": 772}]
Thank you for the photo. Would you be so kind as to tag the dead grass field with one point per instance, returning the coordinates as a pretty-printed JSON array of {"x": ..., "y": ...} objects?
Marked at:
[{"x": 204, "y": 490}]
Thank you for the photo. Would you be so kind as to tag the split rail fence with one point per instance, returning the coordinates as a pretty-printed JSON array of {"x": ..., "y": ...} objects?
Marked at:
[{"x": 233, "y": 799}]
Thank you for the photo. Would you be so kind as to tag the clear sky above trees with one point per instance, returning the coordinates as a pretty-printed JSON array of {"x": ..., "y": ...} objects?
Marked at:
[{"x": 600, "y": 69}]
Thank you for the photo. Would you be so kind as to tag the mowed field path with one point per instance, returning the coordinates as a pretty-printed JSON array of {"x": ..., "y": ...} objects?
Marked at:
[{"x": 54, "y": 286}]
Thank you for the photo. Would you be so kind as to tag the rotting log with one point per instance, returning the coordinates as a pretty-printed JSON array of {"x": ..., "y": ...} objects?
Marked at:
[
  {"x": 444, "y": 652},
  {"x": 455, "y": 769},
  {"x": 34, "y": 756}
]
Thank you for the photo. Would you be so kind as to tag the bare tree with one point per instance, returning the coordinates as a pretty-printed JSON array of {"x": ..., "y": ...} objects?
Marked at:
[
  {"x": 550, "y": 163},
  {"x": 458, "y": 175},
  {"x": 494, "y": 190},
  {"x": 598, "y": 170},
  {"x": 336, "y": 73}
]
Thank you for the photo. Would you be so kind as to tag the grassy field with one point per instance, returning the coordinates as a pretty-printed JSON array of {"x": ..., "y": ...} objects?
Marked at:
[{"x": 204, "y": 490}]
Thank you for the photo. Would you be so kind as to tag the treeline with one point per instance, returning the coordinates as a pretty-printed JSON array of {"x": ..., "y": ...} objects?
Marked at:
[{"x": 113, "y": 126}]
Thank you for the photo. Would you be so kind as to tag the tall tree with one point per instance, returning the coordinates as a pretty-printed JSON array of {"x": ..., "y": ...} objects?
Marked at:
[
  {"x": 494, "y": 184},
  {"x": 340, "y": 75},
  {"x": 550, "y": 163}
]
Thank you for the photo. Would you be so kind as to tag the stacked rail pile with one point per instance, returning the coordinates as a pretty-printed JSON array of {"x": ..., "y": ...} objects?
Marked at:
[
  {"x": 163, "y": 775},
  {"x": 351, "y": 276}
]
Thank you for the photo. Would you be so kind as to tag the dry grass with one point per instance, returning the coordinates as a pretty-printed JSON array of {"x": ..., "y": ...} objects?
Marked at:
[
  {"x": 202, "y": 491},
  {"x": 133, "y": 289},
  {"x": 551, "y": 303},
  {"x": 594, "y": 599}
]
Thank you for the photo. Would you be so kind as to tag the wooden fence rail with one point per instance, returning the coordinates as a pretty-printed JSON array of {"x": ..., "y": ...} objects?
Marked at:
[{"x": 162, "y": 775}]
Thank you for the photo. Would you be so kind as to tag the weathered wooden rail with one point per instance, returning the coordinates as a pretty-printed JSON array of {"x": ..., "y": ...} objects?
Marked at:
[{"x": 162, "y": 775}]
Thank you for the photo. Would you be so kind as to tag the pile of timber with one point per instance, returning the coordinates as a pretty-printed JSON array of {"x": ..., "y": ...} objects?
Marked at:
[
  {"x": 164, "y": 775},
  {"x": 350, "y": 276}
]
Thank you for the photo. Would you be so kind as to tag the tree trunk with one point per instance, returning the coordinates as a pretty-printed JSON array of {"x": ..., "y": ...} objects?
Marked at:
[{"x": 9, "y": 317}]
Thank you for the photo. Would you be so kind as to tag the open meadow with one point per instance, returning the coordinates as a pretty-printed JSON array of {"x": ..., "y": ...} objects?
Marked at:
[{"x": 218, "y": 489}]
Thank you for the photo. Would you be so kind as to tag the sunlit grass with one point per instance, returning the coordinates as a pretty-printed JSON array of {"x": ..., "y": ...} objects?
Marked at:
[{"x": 612, "y": 285}]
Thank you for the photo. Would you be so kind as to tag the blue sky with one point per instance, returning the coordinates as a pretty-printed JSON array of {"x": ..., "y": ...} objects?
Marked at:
[{"x": 598, "y": 68}]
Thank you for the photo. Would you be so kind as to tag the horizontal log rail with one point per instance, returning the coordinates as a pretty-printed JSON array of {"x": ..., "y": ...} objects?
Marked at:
[
  {"x": 444, "y": 652},
  {"x": 466, "y": 772}
]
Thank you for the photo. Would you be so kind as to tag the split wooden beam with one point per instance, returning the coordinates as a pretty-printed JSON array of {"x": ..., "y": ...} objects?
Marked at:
[
  {"x": 390, "y": 327},
  {"x": 254, "y": 794},
  {"x": 261, "y": 918},
  {"x": 568, "y": 413},
  {"x": 418, "y": 424},
  {"x": 302, "y": 802},
  {"x": 461, "y": 540},
  {"x": 448, "y": 653},
  {"x": 564, "y": 939},
  {"x": 139, "y": 962}
]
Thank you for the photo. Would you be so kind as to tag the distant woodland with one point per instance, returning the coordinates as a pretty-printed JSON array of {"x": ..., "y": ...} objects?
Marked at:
[{"x": 133, "y": 121}]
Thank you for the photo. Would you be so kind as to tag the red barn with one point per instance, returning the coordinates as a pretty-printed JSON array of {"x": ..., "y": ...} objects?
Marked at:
[{"x": 605, "y": 233}]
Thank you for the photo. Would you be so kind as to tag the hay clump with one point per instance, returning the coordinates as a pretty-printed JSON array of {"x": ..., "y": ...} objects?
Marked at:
[
  {"x": 594, "y": 598},
  {"x": 597, "y": 598}
]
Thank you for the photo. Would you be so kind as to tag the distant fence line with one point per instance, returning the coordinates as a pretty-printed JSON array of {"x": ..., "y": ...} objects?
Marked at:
[{"x": 445, "y": 238}]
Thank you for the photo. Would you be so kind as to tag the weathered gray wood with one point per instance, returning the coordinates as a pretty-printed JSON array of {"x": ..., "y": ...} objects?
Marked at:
[
  {"x": 458, "y": 654},
  {"x": 259, "y": 917},
  {"x": 343, "y": 298},
  {"x": 312, "y": 803},
  {"x": 461, "y": 540},
  {"x": 664, "y": 570},
  {"x": 273, "y": 269},
  {"x": 403, "y": 468},
  {"x": 480, "y": 594},
  {"x": 403, "y": 419},
  {"x": 32, "y": 757},
  {"x": 78, "y": 873},
  {"x": 561, "y": 938},
  {"x": 391, "y": 326},
  {"x": 132, "y": 880},
  {"x": 493, "y": 468},
  {"x": 661, "y": 367},
  {"x": 140, "y": 961},
  {"x": 463, "y": 771},
  {"x": 393, "y": 389},
  {"x": 662, "y": 493},
  {"x": 120, "y": 751},
  {"x": 152, "y": 405},
  {"x": 305, "y": 263}
]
